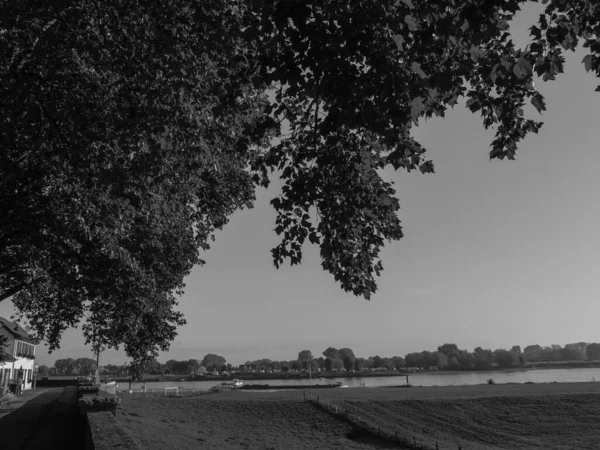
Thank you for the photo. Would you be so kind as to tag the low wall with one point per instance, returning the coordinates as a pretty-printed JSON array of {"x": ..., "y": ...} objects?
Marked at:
[
  {"x": 55, "y": 383},
  {"x": 103, "y": 432}
]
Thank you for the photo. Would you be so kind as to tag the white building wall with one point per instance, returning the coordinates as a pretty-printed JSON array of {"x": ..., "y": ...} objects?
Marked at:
[{"x": 27, "y": 364}]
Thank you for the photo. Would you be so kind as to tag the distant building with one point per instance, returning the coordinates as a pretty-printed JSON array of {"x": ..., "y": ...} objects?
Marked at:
[{"x": 18, "y": 355}]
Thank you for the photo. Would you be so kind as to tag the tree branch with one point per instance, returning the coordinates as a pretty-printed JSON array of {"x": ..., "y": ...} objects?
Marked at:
[{"x": 13, "y": 291}]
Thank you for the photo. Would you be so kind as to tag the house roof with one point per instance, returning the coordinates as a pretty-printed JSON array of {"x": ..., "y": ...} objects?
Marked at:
[{"x": 17, "y": 330}]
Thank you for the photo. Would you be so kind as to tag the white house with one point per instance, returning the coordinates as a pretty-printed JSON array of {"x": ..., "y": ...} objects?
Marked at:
[{"x": 18, "y": 354}]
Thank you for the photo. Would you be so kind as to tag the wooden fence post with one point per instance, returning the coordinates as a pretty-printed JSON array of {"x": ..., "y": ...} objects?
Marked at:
[
  {"x": 304, "y": 395},
  {"x": 437, "y": 447}
]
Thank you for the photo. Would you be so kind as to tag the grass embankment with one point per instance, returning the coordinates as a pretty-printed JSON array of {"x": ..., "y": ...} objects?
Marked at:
[
  {"x": 535, "y": 416},
  {"x": 199, "y": 422}
]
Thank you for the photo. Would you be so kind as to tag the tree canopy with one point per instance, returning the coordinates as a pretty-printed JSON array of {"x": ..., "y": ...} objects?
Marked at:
[{"x": 131, "y": 131}]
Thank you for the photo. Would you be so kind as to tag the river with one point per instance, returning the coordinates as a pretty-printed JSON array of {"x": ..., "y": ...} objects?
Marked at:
[{"x": 416, "y": 379}]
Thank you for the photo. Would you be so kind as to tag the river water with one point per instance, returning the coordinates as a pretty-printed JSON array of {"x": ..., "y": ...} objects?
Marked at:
[{"x": 416, "y": 379}]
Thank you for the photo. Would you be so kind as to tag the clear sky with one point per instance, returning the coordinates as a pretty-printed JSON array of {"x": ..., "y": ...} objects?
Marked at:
[{"x": 495, "y": 254}]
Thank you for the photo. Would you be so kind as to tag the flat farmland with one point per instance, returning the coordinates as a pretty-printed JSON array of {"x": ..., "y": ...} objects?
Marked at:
[
  {"x": 563, "y": 421},
  {"x": 198, "y": 423},
  {"x": 532, "y": 416}
]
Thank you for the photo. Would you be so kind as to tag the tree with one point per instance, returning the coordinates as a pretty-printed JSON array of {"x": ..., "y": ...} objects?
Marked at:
[
  {"x": 441, "y": 360},
  {"x": 3, "y": 344},
  {"x": 504, "y": 358},
  {"x": 516, "y": 349},
  {"x": 448, "y": 349},
  {"x": 328, "y": 363},
  {"x": 212, "y": 361},
  {"x": 578, "y": 348},
  {"x": 466, "y": 360},
  {"x": 551, "y": 353},
  {"x": 593, "y": 351},
  {"x": 348, "y": 362},
  {"x": 193, "y": 366},
  {"x": 570, "y": 354},
  {"x": 377, "y": 361},
  {"x": 330, "y": 352},
  {"x": 305, "y": 356},
  {"x": 43, "y": 370},
  {"x": 358, "y": 364},
  {"x": 169, "y": 365},
  {"x": 413, "y": 360},
  {"x": 424, "y": 359},
  {"x": 321, "y": 362},
  {"x": 337, "y": 364},
  {"x": 105, "y": 232},
  {"x": 84, "y": 366},
  {"x": 398, "y": 362},
  {"x": 65, "y": 366},
  {"x": 343, "y": 352},
  {"x": 154, "y": 367},
  {"x": 130, "y": 132},
  {"x": 483, "y": 358},
  {"x": 533, "y": 353}
]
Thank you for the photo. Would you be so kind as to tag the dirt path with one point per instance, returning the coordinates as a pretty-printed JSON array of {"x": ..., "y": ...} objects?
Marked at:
[{"x": 48, "y": 421}]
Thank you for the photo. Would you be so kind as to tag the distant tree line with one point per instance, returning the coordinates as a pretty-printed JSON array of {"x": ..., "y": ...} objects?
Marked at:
[
  {"x": 446, "y": 357},
  {"x": 69, "y": 366}
]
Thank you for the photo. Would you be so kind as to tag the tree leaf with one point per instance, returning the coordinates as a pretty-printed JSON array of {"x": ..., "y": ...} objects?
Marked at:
[
  {"x": 588, "y": 62},
  {"x": 412, "y": 23},
  {"x": 519, "y": 71},
  {"x": 538, "y": 102},
  {"x": 416, "y": 67},
  {"x": 399, "y": 40},
  {"x": 417, "y": 107}
]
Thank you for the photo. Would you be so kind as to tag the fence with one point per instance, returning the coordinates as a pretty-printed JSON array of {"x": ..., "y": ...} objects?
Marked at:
[
  {"x": 368, "y": 428},
  {"x": 175, "y": 391}
]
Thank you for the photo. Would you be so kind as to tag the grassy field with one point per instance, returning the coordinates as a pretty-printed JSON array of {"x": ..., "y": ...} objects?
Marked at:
[
  {"x": 196, "y": 422},
  {"x": 534, "y": 416},
  {"x": 568, "y": 421}
]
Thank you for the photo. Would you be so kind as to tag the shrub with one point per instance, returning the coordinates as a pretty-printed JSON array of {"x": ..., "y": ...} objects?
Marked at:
[
  {"x": 89, "y": 389},
  {"x": 491, "y": 381},
  {"x": 99, "y": 401}
]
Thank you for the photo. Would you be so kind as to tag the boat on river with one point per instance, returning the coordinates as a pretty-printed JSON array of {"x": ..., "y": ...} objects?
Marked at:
[
  {"x": 256, "y": 387},
  {"x": 235, "y": 383}
]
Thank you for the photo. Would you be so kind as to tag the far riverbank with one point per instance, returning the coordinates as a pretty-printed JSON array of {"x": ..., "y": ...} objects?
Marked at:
[
  {"x": 339, "y": 375},
  {"x": 417, "y": 379}
]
